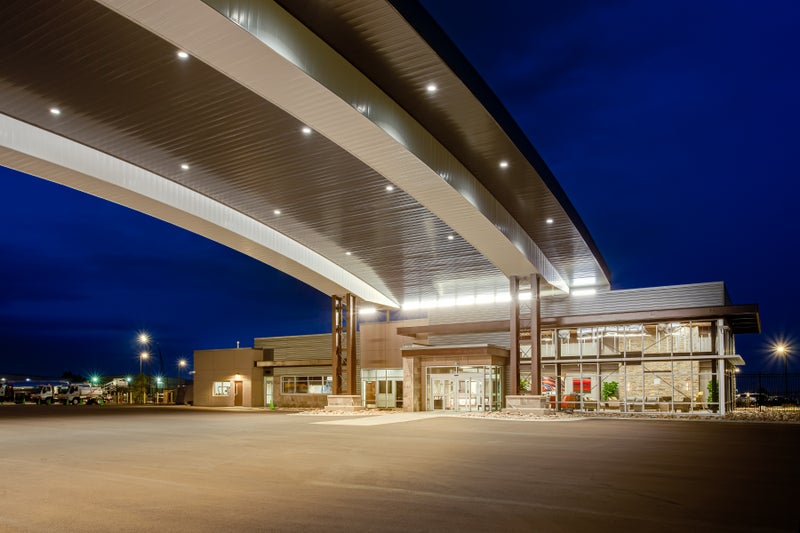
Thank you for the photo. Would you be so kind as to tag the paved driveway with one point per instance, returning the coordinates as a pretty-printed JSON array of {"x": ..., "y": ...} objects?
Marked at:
[{"x": 107, "y": 468}]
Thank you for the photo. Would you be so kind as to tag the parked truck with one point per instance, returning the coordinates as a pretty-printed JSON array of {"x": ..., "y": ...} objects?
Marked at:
[
  {"x": 23, "y": 391},
  {"x": 84, "y": 393},
  {"x": 6, "y": 392},
  {"x": 50, "y": 393}
]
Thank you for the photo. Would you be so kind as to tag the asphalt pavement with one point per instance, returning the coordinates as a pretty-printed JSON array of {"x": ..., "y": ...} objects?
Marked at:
[{"x": 109, "y": 468}]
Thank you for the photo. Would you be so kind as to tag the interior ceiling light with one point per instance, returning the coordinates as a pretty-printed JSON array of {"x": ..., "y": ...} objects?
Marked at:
[
  {"x": 277, "y": 211},
  {"x": 348, "y": 253},
  {"x": 464, "y": 300},
  {"x": 549, "y": 220},
  {"x": 55, "y": 111},
  {"x": 306, "y": 130},
  {"x": 450, "y": 237},
  {"x": 583, "y": 292},
  {"x": 390, "y": 188},
  {"x": 431, "y": 88},
  {"x": 184, "y": 166},
  {"x": 503, "y": 164},
  {"x": 183, "y": 55}
]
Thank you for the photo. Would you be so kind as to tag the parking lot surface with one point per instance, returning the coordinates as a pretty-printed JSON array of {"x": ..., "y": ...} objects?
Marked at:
[{"x": 93, "y": 468}]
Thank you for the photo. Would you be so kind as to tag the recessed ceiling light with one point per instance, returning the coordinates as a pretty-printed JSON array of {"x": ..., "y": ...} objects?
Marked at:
[
  {"x": 277, "y": 211},
  {"x": 348, "y": 253},
  {"x": 306, "y": 130},
  {"x": 183, "y": 55},
  {"x": 549, "y": 220},
  {"x": 55, "y": 111},
  {"x": 450, "y": 237},
  {"x": 503, "y": 164},
  {"x": 390, "y": 188},
  {"x": 431, "y": 88},
  {"x": 184, "y": 166}
]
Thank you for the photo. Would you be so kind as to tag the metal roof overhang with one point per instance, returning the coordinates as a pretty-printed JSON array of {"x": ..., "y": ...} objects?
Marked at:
[
  {"x": 257, "y": 87},
  {"x": 741, "y": 318}
]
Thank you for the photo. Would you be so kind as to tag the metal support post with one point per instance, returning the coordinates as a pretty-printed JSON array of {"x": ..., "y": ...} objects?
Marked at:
[
  {"x": 536, "y": 335},
  {"x": 718, "y": 380},
  {"x": 514, "y": 348},
  {"x": 352, "y": 355},
  {"x": 336, "y": 344}
]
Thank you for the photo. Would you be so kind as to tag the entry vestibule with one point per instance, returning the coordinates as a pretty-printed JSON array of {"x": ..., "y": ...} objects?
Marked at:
[
  {"x": 454, "y": 378},
  {"x": 467, "y": 388}
]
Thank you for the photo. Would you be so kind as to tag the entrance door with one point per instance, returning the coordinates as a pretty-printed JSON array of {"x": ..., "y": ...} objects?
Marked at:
[
  {"x": 385, "y": 398},
  {"x": 398, "y": 393},
  {"x": 268, "y": 381},
  {"x": 454, "y": 392},
  {"x": 369, "y": 394},
  {"x": 238, "y": 396},
  {"x": 443, "y": 397},
  {"x": 470, "y": 394}
]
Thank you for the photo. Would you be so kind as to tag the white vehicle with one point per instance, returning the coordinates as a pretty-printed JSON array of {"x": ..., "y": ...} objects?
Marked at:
[
  {"x": 50, "y": 393},
  {"x": 83, "y": 393}
]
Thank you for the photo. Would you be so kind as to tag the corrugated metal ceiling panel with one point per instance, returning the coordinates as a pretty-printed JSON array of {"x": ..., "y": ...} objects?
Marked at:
[
  {"x": 391, "y": 52},
  {"x": 122, "y": 90}
]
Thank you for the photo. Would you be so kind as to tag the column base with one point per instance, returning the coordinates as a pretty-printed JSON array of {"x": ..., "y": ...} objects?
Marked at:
[
  {"x": 344, "y": 402},
  {"x": 529, "y": 404}
]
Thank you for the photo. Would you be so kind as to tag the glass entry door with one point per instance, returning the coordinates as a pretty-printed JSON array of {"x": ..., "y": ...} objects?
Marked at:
[
  {"x": 442, "y": 394},
  {"x": 457, "y": 392}
]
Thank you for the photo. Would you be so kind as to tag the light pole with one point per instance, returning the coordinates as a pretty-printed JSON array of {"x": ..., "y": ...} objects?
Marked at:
[
  {"x": 148, "y": 343},
  {"x": 783, "y": 351},
  {"x": 181, "y": 364},
  {"x": 142, "y": 357}
]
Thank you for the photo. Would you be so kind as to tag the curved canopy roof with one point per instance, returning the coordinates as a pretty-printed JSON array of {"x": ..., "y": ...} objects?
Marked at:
[{"x": 305, "y": 138}]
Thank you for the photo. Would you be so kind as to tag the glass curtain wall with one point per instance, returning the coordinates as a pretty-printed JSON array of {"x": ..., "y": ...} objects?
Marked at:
[
  {"x": 382, "y": 388},
  {"x": 667, "y": 367}
]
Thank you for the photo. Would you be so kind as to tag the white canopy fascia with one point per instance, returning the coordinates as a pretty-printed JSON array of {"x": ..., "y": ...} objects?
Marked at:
[{"x": 44, "y": 154}]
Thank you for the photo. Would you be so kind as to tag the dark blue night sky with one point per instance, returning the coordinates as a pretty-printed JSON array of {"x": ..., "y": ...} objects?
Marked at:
[{"x": 672, "y": 126}]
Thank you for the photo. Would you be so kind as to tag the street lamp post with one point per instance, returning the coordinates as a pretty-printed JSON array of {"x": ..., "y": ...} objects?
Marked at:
[
  {"x": 147, "y": 342},
  {"x": 783, "y": 351},
  {"x": 142, "y": 357},
  {"x": 181, "y": 364}
]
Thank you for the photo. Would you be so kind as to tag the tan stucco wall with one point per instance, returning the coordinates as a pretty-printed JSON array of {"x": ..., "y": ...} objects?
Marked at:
[
  {"x": 234, "y": 364},
  {"x": 380, "y": 344}
]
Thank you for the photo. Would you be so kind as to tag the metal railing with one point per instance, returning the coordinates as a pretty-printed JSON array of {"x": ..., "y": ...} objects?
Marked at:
[{"x": 775, "y": 390}]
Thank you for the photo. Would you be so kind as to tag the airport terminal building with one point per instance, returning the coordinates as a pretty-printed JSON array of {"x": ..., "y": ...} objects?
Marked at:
[
  {"x": 663, "y": 349},
  {"x": 349, "y": 144}
]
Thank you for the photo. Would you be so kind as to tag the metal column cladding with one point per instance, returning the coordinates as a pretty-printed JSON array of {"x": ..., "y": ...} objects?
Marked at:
[
  {"x": 524, "y": 323},
  {"x": 515, "y": 336},
  {"x": 352, "y": 355},
  {"x": 536, "y": 334},
  {"x": 336, "y": 344}
]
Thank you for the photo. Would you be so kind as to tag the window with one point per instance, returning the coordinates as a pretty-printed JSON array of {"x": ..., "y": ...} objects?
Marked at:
[
  {"x": 306, "y": 384},
  {"x": 222, "y": 388}
]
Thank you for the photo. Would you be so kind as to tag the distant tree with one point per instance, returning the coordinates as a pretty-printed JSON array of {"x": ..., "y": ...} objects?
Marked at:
[{"x": 72, "y": 378}]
